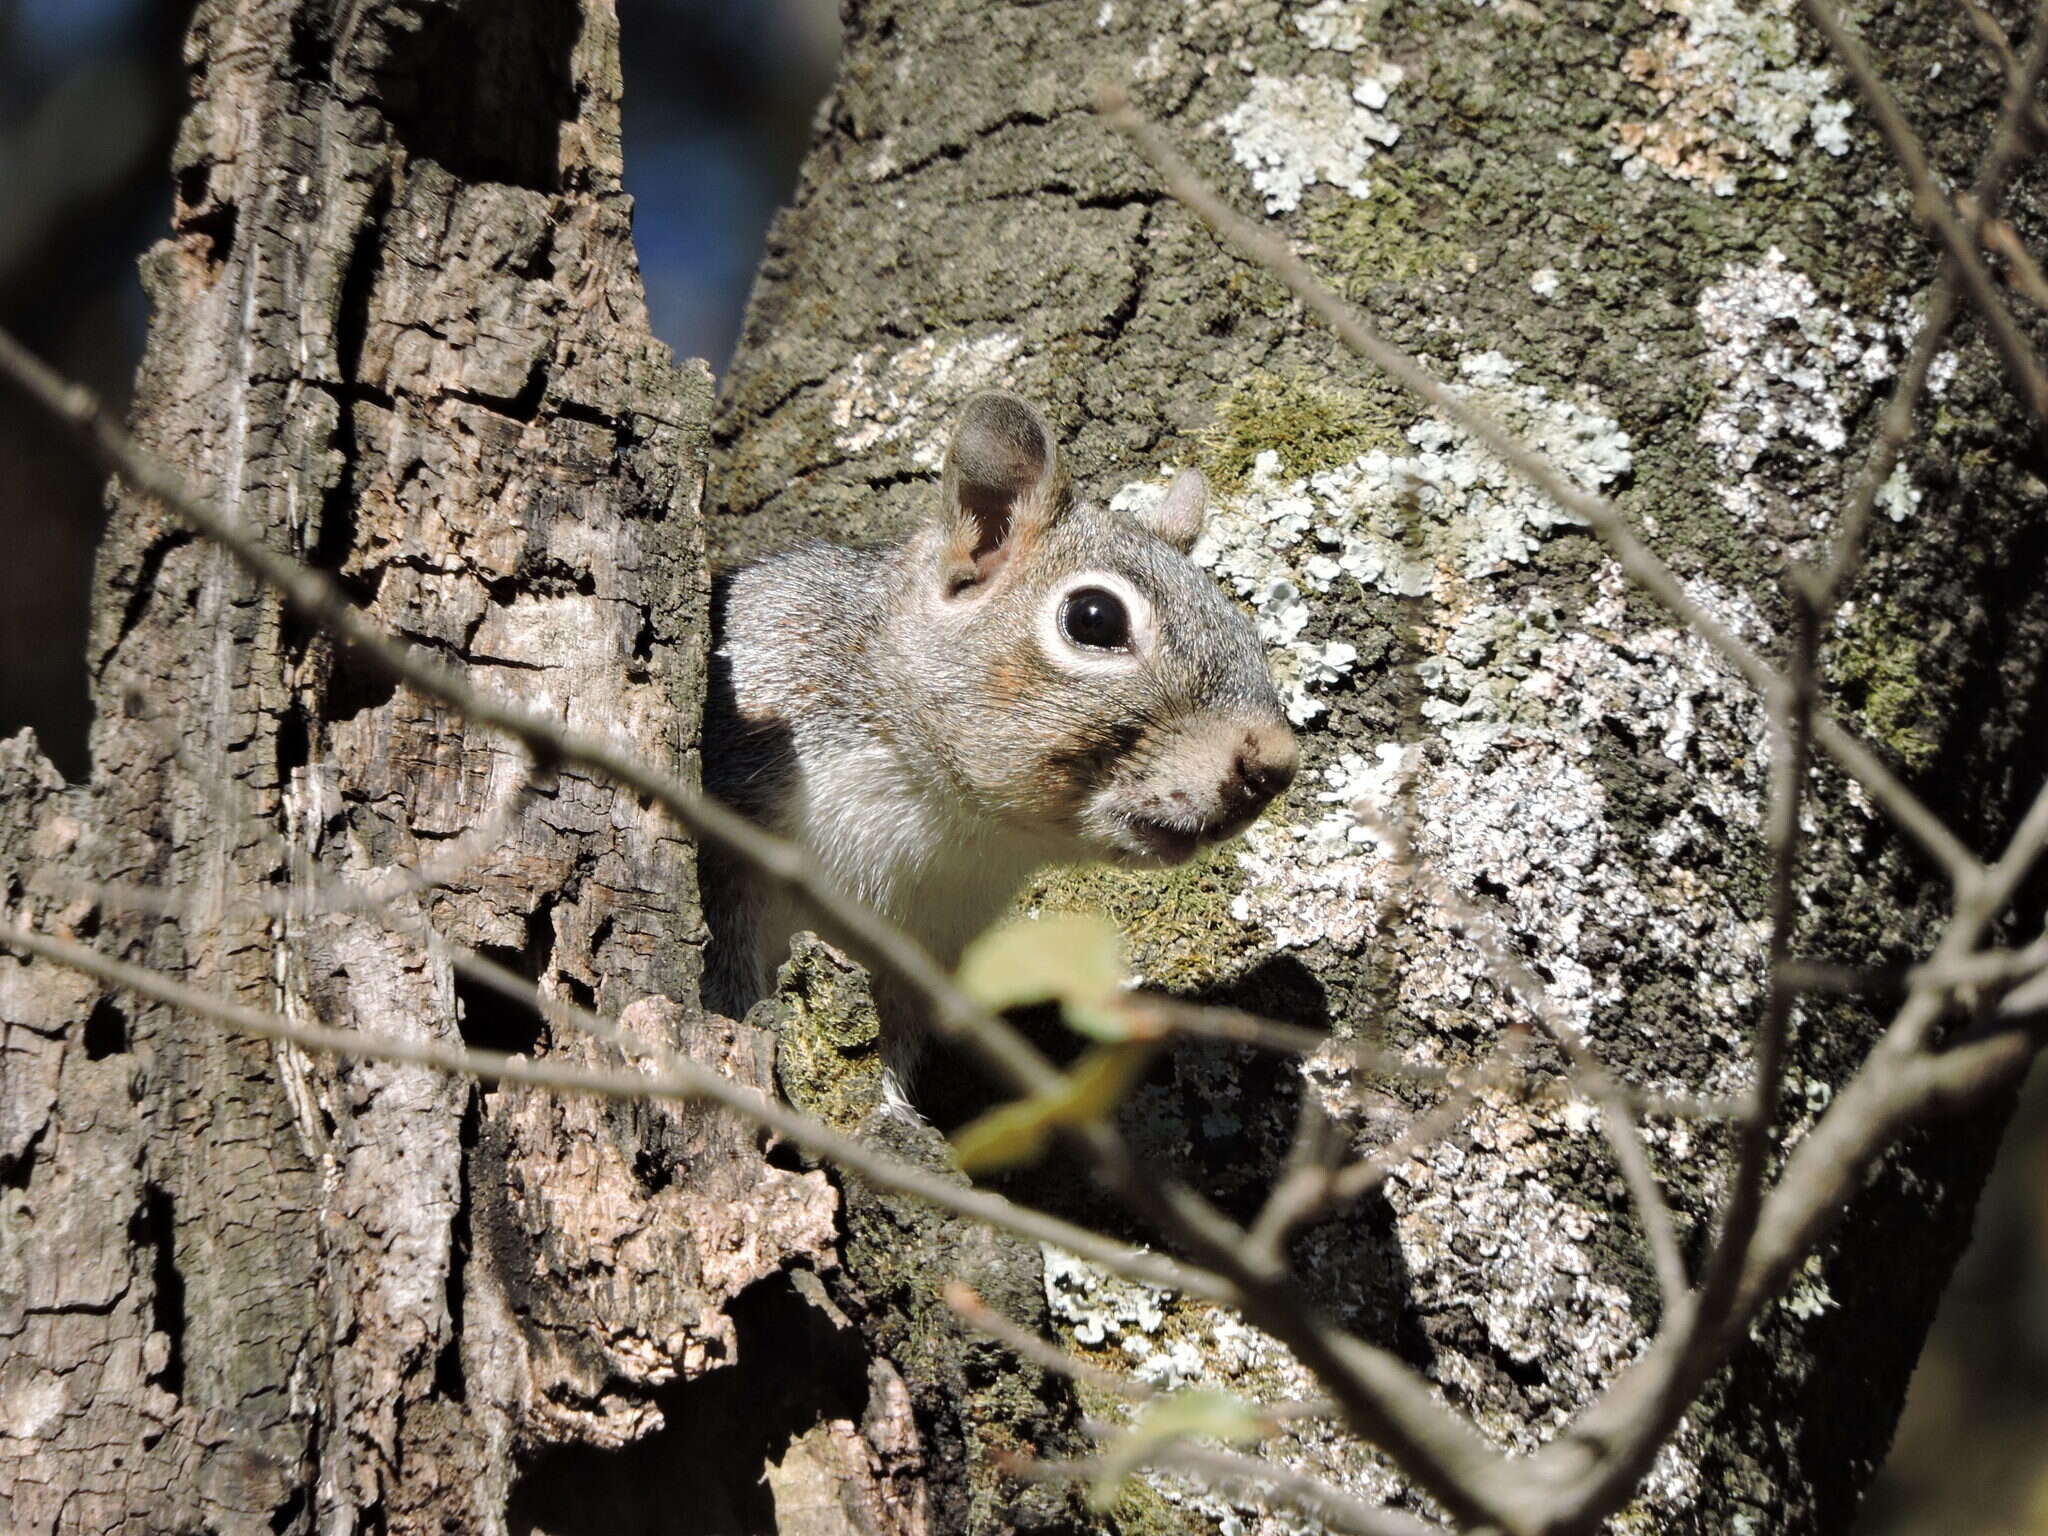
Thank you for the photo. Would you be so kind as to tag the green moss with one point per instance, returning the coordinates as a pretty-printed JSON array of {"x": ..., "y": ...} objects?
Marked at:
[
  {"x": 1142, "y": 1510},
  {"x": 1177, "y": 922},
  {"x": 1412, "y": 225},
  {"x": 828, "y": 1043},
  {"x": 1311, "y": 425},
  {"x": 1877, "y": 665}
]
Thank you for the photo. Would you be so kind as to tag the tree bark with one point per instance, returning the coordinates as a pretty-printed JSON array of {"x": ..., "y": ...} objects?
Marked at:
[
  {"x": 1661, "y": 241},
  {"x": 399, "y": 332}
]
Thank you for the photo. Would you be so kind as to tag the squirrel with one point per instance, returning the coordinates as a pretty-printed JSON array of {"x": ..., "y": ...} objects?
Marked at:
[{"x": 1022, "y": 681}]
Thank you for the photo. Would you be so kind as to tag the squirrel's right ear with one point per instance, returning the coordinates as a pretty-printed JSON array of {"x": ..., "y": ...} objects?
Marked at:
[
  {"x": 1177, "y": 517},
  {"x": 1002, "y": 485}
]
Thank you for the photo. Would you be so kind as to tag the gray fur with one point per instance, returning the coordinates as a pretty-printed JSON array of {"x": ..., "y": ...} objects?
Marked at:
[{"x": 920, "y": 719}]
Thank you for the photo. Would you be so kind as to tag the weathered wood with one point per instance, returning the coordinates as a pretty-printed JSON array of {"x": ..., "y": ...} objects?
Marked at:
[{"x": 399, "y": 331}]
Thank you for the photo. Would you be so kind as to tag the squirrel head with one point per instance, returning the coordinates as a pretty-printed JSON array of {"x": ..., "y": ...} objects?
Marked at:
[{"x": 1094, "y": 687}]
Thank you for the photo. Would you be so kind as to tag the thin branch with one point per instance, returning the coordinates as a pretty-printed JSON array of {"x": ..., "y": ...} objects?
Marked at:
[
  {"x": 1908, "y": 811},
  {"x": 680, "y": 1079},
  {"x": 1359, "y": 1179},
  {"x": 2008, "y": 143},
  {"x": 1266, "y": 250},
  {"x": 1334, "y": 1508},
  {"x": 1791, "y": 713},
  {"x": 1041, "y": 1352},
  {"x": 1303, "y": 1185},
  {"x": 1987, "y": 27},
  {"x": 1894, "y": 426},
  {"x": 1161, "y": 1017},
  {"x": 1616, "y": 1113},
  {"x": 2003, "y": 240},
  {"x": 1602, "y": 1457},
  {"x": 369, "y": 892},
  {"x": 1931, "y": 202},
  {"x": 1634, "y": 557},
  {"x": 968, "y": 1304}
]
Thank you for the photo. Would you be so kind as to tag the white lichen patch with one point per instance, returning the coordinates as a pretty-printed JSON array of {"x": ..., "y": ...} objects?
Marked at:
[
  {"x": 1573, "y": 768},
  {"x": 1294, "y": 131},
  {"x": 1393, "y": 521},
  {"x": 1524, "y": 1271},
  {"x": 1731, "y": 91},
  {"x": 1503, "y": 801},
  {"x": 1789, "y": 372},
  {"x": 1175, "y": 1344},
  {"x": 887, "y": 396},
  {"x": 1342, "y": 26}
]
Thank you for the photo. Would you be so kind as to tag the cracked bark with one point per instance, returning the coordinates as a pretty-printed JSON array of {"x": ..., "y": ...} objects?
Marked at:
[
  {"x": 398, "y": 329},
  {"x": 963, "y": 222}
]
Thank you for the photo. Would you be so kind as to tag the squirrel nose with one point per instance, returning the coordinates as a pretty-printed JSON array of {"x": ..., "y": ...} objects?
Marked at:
[{"x": 1263, "y": 768}]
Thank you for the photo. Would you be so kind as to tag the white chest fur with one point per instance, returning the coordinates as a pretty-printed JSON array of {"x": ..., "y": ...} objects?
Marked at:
[{"x": 905, "y": 846}]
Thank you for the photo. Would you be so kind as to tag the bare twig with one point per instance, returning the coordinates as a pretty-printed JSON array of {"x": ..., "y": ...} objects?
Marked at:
[
  {"x": 2003, "y": 240},
  {"x": 1986, "y": 27},
  {"x": 1266, "y": 250},
  {"x": 978, "y": 1314},
  {"x": 1931, "y": 202},
  {"x": 1634, "y": 557},
  {"x": 2009, "y": 141},
  {"x": 1359, "y": 1179},
  {"x": 677, "y": 1078},
  {"x": 1616, "y": 1113},
  {"x": 1162, "y": 1017},
  {"x": 1895, "y": 425},
  {"x": 1791, "y": 711},
  {"x": 1335, "y": 1509}
]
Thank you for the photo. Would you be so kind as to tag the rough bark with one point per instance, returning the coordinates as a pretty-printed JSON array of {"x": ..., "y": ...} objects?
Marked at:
[
  {"x": 1678, "y": 261},
  {"x": 398, "y": 331}
]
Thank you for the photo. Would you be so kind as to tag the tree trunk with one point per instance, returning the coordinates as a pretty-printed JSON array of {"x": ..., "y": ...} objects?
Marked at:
[
  {"x": 1657, "y": 240},
  {"x": 399, "y": 332}
]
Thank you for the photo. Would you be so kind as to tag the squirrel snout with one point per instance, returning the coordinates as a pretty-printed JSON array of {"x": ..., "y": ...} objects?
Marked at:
[{"x": 1262, "y": 769}]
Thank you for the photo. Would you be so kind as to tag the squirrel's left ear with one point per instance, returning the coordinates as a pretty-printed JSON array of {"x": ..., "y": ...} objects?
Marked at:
[
  {"x": 1003, "y": 485},
  {"x": 1177, "y": 516}
]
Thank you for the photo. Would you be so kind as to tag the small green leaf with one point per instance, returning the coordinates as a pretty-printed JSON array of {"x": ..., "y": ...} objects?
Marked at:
[
  {"x": 1008, "y": 1136},
  {"x": 1011, "y": 1135},
  {"x": 1071, "y": 959},
  {"x": 1178, "y": 1416},
  {"x": 1102, "y": 1079}
]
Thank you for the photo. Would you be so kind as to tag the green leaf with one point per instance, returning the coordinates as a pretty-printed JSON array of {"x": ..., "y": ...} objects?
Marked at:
[
  {"x": 1008, "y": 1136},
  {"x": 1011, "y": 1135},
  {"x": 1178, "y": 1416},
  {"x": 1071, "y": 959}
]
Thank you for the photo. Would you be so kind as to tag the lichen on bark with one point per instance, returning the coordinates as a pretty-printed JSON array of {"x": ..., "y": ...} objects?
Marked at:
[{"x": 1653, "y": 234}]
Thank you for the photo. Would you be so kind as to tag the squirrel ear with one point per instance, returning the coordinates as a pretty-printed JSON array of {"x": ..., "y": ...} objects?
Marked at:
[
  {"x": 1002, "y": 484},
  {"x": 1177, "y": 516}
]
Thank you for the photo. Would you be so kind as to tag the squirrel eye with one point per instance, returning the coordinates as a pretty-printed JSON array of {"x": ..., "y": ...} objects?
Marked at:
[{"x": 1096, "y": 619}]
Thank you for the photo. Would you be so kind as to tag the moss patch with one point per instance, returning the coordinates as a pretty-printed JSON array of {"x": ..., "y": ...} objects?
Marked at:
[
  {"x": 828, "y": 1056},
  {"x": 1877, "y": 665},
  {"x": 1309, "y": 424},
  {"x": 1177, "y": 922},
  {"x": 1411, "y": 226}
]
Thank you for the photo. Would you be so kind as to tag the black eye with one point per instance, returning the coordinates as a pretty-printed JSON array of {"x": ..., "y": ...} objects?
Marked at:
[{"x": 1095, "y": 618}]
